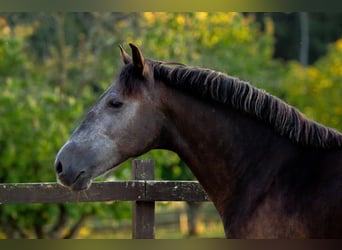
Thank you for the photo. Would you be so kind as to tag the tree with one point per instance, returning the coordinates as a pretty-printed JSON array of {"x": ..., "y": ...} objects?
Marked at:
[
  {"x": 324, "y": 28},
  {"x": 304, "y": 38},
  {"x": 36, "y": 119},
  {"x": 316, "y": 90}
]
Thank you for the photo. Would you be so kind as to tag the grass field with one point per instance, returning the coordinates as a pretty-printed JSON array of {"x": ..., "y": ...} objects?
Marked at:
[{"x": 171, "y": 223}]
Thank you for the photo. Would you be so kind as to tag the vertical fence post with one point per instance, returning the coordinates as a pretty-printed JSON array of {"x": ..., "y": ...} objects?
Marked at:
[{"x": 143, "y": 211}]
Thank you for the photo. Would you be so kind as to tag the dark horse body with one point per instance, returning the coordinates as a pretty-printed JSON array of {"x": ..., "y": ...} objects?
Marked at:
[{"x": 270, "y": 172}]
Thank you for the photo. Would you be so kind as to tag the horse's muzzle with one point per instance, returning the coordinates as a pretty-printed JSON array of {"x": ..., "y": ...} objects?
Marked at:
[{"x": 68, "y": 170}]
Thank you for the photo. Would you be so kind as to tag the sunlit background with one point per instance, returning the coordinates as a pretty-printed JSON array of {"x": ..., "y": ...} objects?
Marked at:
[{"x": 54, "y": 66}]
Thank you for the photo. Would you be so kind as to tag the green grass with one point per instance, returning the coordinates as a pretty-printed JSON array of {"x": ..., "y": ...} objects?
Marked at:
[{"x": 170, "y": 223}]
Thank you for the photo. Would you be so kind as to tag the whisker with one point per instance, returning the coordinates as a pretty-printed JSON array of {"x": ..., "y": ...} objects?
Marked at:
[{"x": 85, "y": 194}]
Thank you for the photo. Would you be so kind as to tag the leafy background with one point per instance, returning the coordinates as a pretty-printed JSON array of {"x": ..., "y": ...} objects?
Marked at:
[{"x": 54, "y": 66}]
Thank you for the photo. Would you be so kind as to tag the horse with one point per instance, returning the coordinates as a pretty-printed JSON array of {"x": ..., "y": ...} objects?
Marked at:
[{"x": 270, "y": 171}]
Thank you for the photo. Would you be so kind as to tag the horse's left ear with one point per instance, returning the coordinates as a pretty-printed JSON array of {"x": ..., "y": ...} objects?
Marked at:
[
  {"x": 138, "y": 59},
  {"x": 125, "y": 57}
]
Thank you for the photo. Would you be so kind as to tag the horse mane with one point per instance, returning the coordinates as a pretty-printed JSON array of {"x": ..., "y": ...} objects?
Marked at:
[{"x": 242, "y": 96}]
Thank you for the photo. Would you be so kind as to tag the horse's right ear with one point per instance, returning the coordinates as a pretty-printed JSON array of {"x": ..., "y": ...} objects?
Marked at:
[{"x": 125, "y": 57}]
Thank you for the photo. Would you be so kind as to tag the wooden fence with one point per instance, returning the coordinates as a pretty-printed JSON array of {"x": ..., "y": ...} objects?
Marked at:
[{"x": 143, "y": 191}]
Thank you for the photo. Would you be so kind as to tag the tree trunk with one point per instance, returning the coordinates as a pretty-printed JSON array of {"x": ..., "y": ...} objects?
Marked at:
[
  {"x": 57, "y": 230},
  {"x": 60, "y": 18},
  {"x": 304, "y": 38},
  {"x": 75, "y": 229},
  {"x": 193, "y": 217}
]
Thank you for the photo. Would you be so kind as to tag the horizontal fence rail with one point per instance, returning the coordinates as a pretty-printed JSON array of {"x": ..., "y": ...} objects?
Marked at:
[
  {"x": 136, "y": 190},
  {"x": 143, "y": 191}
]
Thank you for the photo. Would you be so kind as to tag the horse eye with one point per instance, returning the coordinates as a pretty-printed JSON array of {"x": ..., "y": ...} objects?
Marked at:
[{"x": 115, "y": 104}]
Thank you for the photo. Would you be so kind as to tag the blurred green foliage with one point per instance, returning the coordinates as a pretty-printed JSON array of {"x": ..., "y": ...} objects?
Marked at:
[
  {"x": 54, "y": 66},
  {"x": 317, "y": 89},
  {"x": 37, "y": 116}
]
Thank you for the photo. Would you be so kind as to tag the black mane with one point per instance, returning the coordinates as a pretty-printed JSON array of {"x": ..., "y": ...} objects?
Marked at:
[{"x": 240, "y": 95}]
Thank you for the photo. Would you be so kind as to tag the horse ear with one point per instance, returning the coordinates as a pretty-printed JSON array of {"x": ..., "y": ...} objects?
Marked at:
[
  {"x": 125, "y": 57},
  {"x": 138, "y": 59}
]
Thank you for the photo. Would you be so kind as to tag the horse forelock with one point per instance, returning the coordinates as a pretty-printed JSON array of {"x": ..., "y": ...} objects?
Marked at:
[
  {"x": 131, "y": 79},
  {"x": 242, "y": 96}
]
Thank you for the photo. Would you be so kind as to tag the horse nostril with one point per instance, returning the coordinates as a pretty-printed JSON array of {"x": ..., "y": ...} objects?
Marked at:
[{"x": 59, "y": 168}]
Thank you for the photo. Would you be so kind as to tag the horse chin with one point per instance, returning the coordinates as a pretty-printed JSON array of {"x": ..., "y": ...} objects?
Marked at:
[
  {"x": 84, "y": 180},
  {"x": 81, "y": 184}
]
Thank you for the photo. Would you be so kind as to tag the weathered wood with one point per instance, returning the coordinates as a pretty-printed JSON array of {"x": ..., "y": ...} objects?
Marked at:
[
  {"x": 138, "y": 190},
  {"x": 20, "y": 193},
  {"x": 175, "y": 191},
  {"x": 143, "y": 220}
]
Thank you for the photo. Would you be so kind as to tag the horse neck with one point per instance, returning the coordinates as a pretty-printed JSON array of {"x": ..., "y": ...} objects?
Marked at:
[{"x": 222, "y": 147}]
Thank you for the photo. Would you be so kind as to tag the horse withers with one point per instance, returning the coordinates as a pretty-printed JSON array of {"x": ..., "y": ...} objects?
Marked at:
[{"x": 270, "y": 171}]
